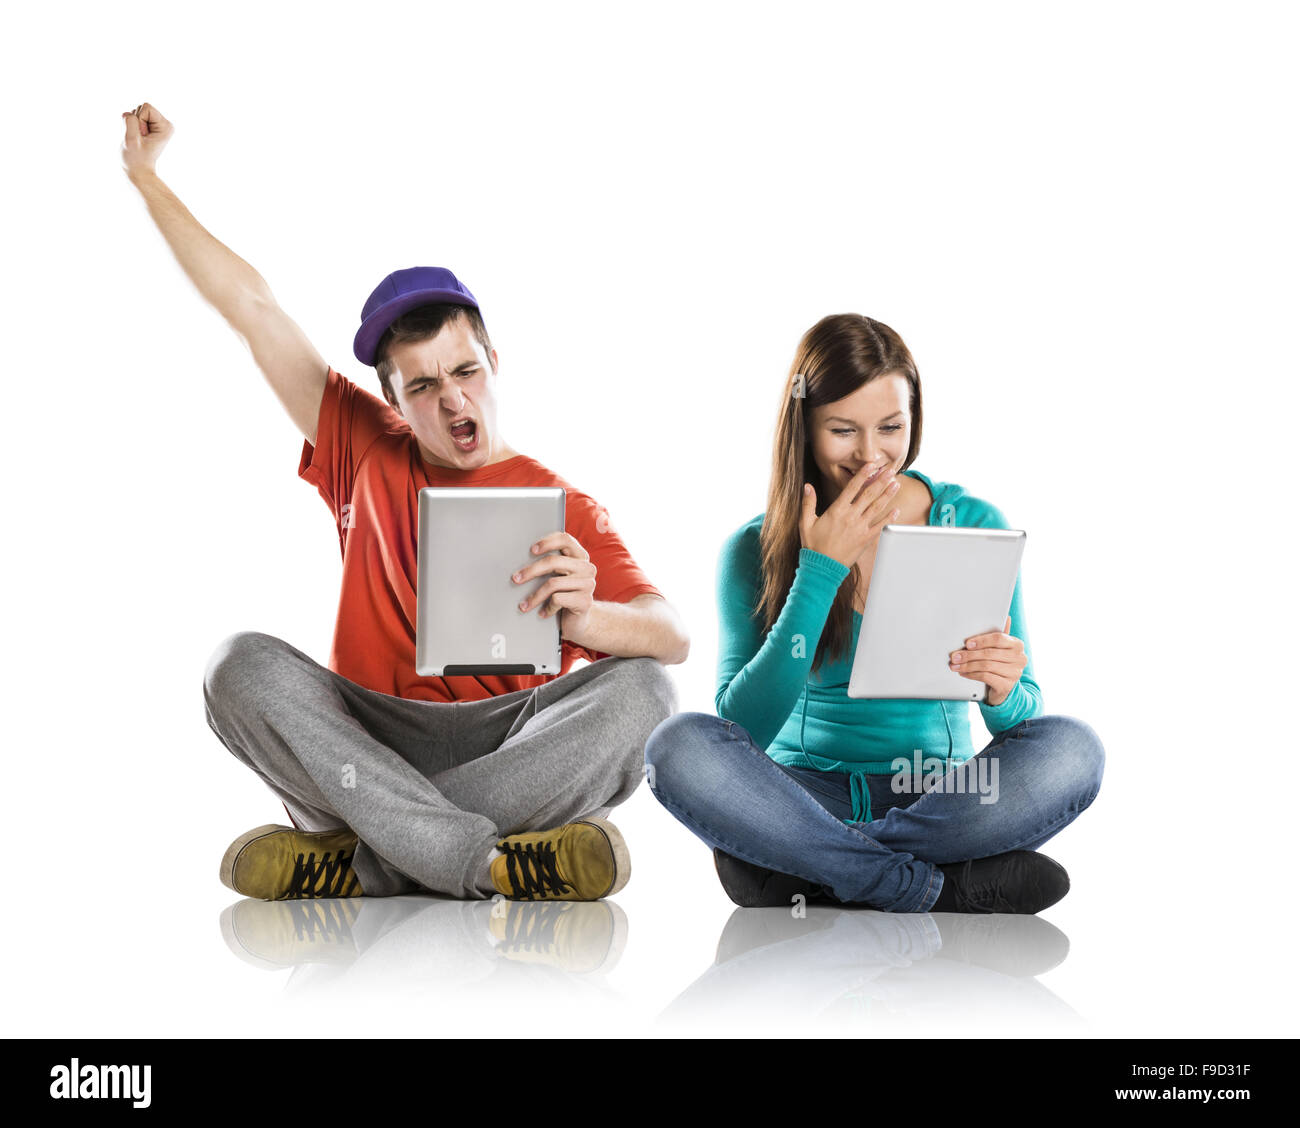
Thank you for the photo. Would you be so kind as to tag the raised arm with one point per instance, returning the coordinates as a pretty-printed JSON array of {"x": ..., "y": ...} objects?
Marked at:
[{"x": 295, "y": 370}]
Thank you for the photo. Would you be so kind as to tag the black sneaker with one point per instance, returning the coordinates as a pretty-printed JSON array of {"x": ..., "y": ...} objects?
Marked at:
[
  {"x": 1020, "y": 881},
  {"x": 753, "y": 887},
  {"x": 1006, "y": 944}
]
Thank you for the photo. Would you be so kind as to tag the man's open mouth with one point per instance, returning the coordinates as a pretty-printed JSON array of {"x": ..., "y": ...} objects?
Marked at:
[{"x": 465, "y": 434}]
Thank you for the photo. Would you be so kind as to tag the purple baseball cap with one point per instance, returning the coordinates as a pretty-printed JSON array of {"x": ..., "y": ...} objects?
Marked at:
[{"x": 400, "y": 291}]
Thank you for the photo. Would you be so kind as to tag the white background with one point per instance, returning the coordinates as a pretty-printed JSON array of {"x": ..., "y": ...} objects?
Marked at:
[{"x": 1081, "y": 219}]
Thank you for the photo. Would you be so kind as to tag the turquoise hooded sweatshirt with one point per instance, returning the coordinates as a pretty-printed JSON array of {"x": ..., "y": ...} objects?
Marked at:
[{"x": 807, "y": 720}]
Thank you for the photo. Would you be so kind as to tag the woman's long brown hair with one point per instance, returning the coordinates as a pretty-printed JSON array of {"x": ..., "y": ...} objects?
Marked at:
[{"x": 835, "y": 358}]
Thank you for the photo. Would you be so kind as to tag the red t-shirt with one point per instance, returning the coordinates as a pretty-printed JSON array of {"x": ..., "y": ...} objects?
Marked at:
[{"x": 367, "y": 466}]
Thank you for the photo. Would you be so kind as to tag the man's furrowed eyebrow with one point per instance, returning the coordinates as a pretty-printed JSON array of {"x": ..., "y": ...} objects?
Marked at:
[{"x": 430, "y": 378}]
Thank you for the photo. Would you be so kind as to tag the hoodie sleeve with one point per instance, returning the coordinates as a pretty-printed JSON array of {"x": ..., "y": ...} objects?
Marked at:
[
  {"x": 1026, "y": 698},
  {"x": 761, "y": 679}
]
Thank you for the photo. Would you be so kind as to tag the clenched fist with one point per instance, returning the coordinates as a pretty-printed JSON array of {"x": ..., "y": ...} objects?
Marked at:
[{"x": 147, "y": 132}]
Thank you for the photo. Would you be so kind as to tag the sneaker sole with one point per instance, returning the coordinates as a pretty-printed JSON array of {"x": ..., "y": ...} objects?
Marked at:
[
  {"x": 622, "y": 858},
  {"x": 230, "y": 934},
  {"x": 236, "y": 848}
]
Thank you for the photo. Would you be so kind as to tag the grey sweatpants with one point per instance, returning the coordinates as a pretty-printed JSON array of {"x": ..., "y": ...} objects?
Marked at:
[{"x": 429, "y": 787}]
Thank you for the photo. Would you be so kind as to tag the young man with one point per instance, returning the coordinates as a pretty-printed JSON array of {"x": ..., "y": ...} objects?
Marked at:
[{"x": 467, "y": 786}]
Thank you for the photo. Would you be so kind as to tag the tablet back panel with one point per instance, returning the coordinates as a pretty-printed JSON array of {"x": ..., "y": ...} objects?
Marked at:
[
  {"x": 471, "y": 540},
  {"x": 931, "y": 589}
]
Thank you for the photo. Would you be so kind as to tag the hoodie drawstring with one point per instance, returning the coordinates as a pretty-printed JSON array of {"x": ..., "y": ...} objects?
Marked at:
[{"x": 860, "y": 794}]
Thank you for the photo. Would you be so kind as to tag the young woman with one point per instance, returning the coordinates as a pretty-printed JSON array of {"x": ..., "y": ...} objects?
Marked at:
[{"x": 801, "y": 789}]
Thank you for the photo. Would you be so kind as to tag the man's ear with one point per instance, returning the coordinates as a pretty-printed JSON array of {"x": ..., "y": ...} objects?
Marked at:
[{"x": 493, "y": 359}]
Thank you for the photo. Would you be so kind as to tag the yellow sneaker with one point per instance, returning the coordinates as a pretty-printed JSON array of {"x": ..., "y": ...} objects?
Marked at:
[
  {"x": 580, "y": 861},
  {"x": 579, "y": 937},
  {"x": 278, "y": 863},
  {"x": 278, "y": 934}
]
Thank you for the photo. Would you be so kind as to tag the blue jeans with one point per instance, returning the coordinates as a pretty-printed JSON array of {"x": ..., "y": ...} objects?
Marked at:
[{"x": 708, "y": 772}]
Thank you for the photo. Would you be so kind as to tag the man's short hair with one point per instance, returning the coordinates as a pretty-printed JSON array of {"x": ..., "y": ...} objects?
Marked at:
[{"x": 423, "y": 323}]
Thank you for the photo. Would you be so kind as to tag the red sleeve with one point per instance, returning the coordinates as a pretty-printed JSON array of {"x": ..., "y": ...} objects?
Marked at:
[
  {"x": 350, "y": 420},
  {"x": 618, "y": 578}
]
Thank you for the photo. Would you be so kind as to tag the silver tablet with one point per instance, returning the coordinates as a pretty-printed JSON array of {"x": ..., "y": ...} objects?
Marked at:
[
  {"x": 932, "y": 587},
  {"x": 471, "y": 541}
]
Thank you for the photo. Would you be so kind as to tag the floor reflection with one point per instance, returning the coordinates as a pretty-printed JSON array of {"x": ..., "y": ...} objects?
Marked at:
[
  {"x": 776, "y": 971},
  {"x": 874, "y": 973},
  {"x": 405, "y": 946}
]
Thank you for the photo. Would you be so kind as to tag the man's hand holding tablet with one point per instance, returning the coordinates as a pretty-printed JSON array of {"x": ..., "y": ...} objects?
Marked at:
[{"x": 571, "y": 588}]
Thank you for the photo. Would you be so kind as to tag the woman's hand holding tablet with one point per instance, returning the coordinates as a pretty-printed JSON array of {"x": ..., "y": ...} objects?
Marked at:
[{"x": 996, "y": 659}]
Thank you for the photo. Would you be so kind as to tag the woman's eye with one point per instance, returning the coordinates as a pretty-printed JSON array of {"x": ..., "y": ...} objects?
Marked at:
[
  {"x": 893, "y": 427},
  {"x": 841, "y": 430}
]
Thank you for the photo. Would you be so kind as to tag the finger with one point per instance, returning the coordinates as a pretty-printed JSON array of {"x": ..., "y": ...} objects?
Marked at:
[
  {"x": 576, "y": 601},
  {"x": 554, "y": 584},
  {"x": 977, "y": 659},
  {"x": 554, "y": 563},
  {"x": 983, "y": 671},
  {"x": 878, "y": 513},
  {"x": 862, "y": 477},
  {"x": 872, "y": 506},
  {"x": 1000, "y": 645},
  {"x": 540, "y": 596},
  {"x": 562, "y": 542},
  {"x": 890, "y": 517},
  {"x": 875, "y": 526},
  {"x": 872, "y": 487},
  {"x": 882, "y": 506},
  {"x": 994, "y": 639},
  {"x": 808, "y": 512}
]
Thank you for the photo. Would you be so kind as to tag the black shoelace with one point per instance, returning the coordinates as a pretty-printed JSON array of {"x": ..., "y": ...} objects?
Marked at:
[
  {"x": 533, "y": 929},
  {"x": 326, "y": 878},
  {"x": 321, "y": 925},
  {"x": 981, "y": 897},
  {"x": 531, "y": 869}
]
